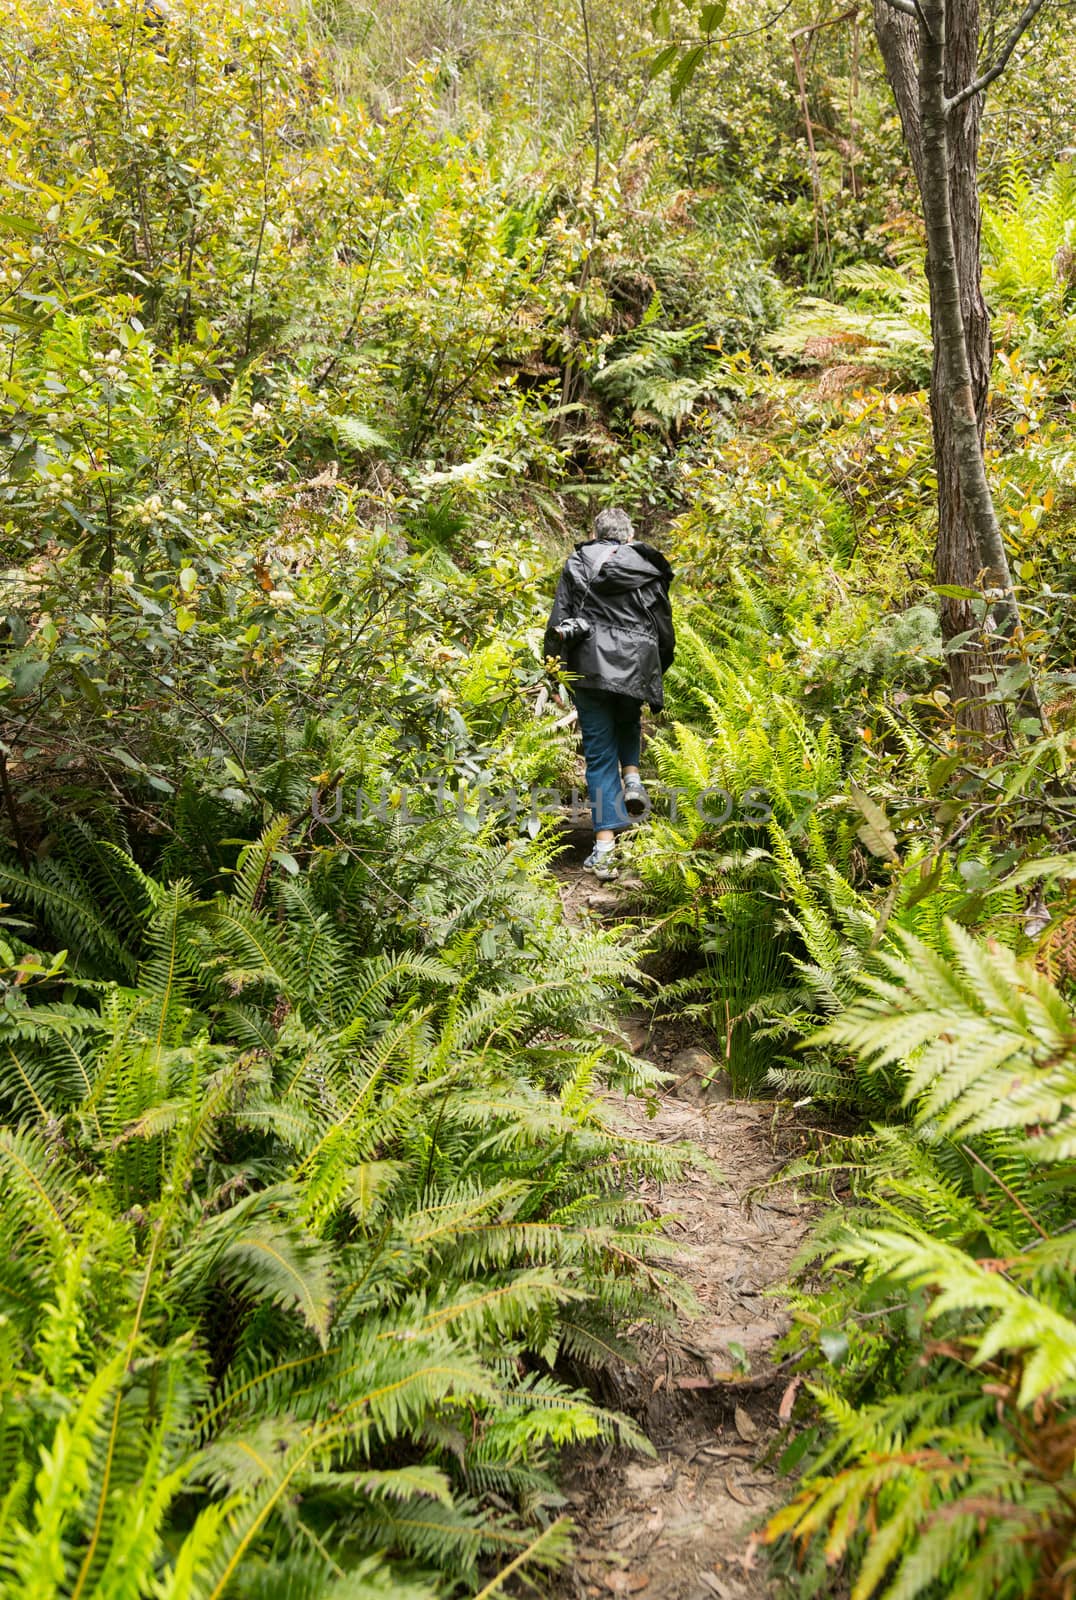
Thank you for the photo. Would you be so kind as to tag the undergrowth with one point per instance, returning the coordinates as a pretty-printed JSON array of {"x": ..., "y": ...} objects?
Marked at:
[
  {"x": 305, "y": 1224},
  {"x": 324, "y": 332}
]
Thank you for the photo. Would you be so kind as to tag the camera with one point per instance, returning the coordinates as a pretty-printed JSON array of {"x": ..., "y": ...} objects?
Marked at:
[{"x": 572, "y": 629}]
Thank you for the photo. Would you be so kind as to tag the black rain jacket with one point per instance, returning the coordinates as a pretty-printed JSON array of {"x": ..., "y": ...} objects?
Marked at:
[{"x": 631, "y": 642}]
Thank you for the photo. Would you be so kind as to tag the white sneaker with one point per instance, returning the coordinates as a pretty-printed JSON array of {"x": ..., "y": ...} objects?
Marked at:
[{"x": 602, "y": 862}]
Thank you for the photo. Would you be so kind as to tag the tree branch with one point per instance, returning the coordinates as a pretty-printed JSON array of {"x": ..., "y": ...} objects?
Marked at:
[
  {"x": 808, "y": 33},
  {"x": 1023, "y": 23},
  {"x": 905, "y": 6},
  {"x": 898, "y": 39},
  {"x": 595, "y": 108}
]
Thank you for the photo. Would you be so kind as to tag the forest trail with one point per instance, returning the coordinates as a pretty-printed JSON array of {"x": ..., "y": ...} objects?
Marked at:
[{"x": 709, "y": 1392}]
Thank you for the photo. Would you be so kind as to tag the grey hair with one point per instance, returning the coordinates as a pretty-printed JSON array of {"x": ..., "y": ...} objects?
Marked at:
[{"x": 612, "y": 523}]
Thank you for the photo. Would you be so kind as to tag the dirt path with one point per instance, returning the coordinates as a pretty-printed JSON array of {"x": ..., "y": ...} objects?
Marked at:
[{"x": 678, "y": 1528}]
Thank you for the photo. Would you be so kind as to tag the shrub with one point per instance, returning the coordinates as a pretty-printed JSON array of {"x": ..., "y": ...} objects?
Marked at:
[{"x": 303, "y": 1221}]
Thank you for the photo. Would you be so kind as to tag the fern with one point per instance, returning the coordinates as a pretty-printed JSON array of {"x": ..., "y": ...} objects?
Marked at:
[
  {"x": 885, "y": 322},
  {"x": 962, "y": 1463},
  {"x": 313, "y": 1199},
  {"x": 1025, "y": 230},
  {"x": 661, "y": 374}
]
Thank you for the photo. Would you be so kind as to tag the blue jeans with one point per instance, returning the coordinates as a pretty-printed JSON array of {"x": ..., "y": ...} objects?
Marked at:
[{"x": 610, "y": 728}]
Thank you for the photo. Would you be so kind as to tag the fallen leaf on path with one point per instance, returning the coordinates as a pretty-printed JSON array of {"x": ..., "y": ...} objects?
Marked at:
[
  {"x": 627, "y": 1582},
  {"x": 741, "y": 1497},
  {"x": 747, "y": 1559},
  {"x": 693, "y": 1383},
  {"x": 788, "y": 1400},
  {"x": 746, "y": 1426},
  {"x": 638, "y": 1530},
  {"x": 715, "y": 1586}
]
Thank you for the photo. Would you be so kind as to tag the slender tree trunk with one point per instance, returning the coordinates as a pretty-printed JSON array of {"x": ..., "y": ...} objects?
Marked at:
[{"x": 944, "y": 150}]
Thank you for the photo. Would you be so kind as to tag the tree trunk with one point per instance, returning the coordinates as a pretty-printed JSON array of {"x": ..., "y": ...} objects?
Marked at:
[{"x": 944, "y": 151}]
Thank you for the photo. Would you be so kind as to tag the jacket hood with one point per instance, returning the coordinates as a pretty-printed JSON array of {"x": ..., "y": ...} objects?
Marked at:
[{"x": 633, "y": 566}]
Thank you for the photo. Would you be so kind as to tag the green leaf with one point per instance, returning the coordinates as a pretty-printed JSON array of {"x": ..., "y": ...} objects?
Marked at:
[
  {"x": 27, "y": 675},
  {"x": 712, "y": 17},
  {"x": 1063, "y": 867},
  {"x": 10, "y": 223},
  {"x": 940, "y": 771},
  {"x": 796, "y": 1451},
  {"x": 17, "y": 319},
  {"x": 1013, "y": 679},
  {"x": 663, "y": 59},
  {"x": 686, "y": 70},
  {"x": 927, "y": 885}
]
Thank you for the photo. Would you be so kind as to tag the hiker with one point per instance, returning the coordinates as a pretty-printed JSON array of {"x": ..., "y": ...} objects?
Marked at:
[{"x": 611, "y": 627}]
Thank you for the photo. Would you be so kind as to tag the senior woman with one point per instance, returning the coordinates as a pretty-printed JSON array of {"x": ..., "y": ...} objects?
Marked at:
[{"x": 611, "y": 628}]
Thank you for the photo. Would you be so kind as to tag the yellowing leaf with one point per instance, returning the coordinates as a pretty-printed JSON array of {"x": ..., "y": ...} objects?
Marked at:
[{"x": 875, "y": 833}]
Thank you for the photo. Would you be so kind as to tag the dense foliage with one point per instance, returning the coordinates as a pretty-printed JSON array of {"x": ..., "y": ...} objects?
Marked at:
[
  {"x": 287, "y": 1202},
  {"x": 324, "y": 330}
]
